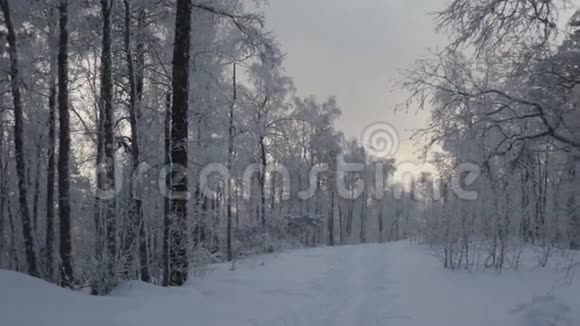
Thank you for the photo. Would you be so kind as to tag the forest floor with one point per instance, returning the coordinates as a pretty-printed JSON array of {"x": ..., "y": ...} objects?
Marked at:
[{"x": 368, "y": 285}]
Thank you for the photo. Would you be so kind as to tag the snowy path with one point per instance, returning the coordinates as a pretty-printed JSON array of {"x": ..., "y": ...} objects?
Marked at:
[
  {"x": 371, "y": 285},
  {"x": 354, "y": 290}
]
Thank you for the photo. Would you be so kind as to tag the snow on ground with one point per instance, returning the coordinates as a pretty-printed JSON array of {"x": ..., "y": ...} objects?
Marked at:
[{"x": 370, "y": 285}]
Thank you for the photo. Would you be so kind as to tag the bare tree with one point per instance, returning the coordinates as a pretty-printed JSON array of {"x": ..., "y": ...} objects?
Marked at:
[
  {"x": 19, "y": 140},
  {"x": 64, "y": 209},
  {"x": 178, "y": 267},
  {"x": 51, "y": 166},
  {"x": 107, "y": 168},
  {"x": 135, "y": 74},
  {"x": 230, "y": 158}
]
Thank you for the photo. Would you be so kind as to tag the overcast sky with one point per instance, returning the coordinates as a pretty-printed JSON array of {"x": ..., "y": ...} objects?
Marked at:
[{"x": 354, "y": 49}]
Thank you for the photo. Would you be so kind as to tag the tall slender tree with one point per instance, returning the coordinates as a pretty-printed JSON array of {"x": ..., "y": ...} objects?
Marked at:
[
  {"x": 64, "y": 210},
  {"x": 19, "y": 140},
  {"x": 51, "y": 166},
  {"x": 165, "y": 259},
  {"x": 108, "y": 168},
  {"x": 229, "y": 252},
  {"x": 135, "y": 74},
  {"x": 178, "y": 180}
]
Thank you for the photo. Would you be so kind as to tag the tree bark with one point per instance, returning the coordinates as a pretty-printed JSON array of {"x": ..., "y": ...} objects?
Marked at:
[
  {"x": 108, "y": 145},
  {"x": 262, "y": 180},
  {"x": 229, "y": 253},
  {"x": 67, "y": 277},
  {"x": 3, "y": 190},
  {"x": 135, "y": 95},
  {"x": 381, "y": 221},
  {"x": 19, "y": 141},
  {"x": 51, "y": 165},
  {"x": 179, "y": 127},
  {"x": 331, "y": 220},
  {"x": 572, "y": 187},
  {"x": 363, "y": 218},
  {"x": 51, "y": 177},
  {"x": 166, "y": 201}
]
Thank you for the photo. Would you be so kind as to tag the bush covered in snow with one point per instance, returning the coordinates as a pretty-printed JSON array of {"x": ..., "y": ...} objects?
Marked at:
[{"x": 276, "y": 235}]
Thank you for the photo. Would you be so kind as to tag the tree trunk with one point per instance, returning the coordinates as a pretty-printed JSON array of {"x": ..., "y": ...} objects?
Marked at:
[
  {"x": 363, "y": 218},
  {"x": 3, "y": 190},
  {"x": 381, "y": 221},
  {"x": 14, "y": 261},
  {"x": 36, "y": 195},
  {"x": 331, "y": 221},
  {"x": 19, "y": 141},
  {"x": 229, "y": 253},
  {"x": 108, "y": 147},
  {"x": 340, "y": 221},
  {"x": 51, "y": 176},
  {"x": 572, "y": 188},
  {"x": 262, "y": 178},
  {"x": 139, "y": 76},
  {"x": 136, "y": 209},
  {"x": 67, "y": 277},
  {"x": 179, "y": 128},
  {"x": 166, "y": 201},
  {"x": 350, "y": 216}
]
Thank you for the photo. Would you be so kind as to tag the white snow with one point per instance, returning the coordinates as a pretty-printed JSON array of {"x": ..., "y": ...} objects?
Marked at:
[{"x": 369, "y": 285}]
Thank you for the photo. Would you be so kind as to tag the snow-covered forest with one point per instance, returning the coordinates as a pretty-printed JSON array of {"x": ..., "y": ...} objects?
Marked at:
[
  {"x": 153, "y": 141},
  {"x": 505, "y": 95},
  {"x": 103, "y": 99}
]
